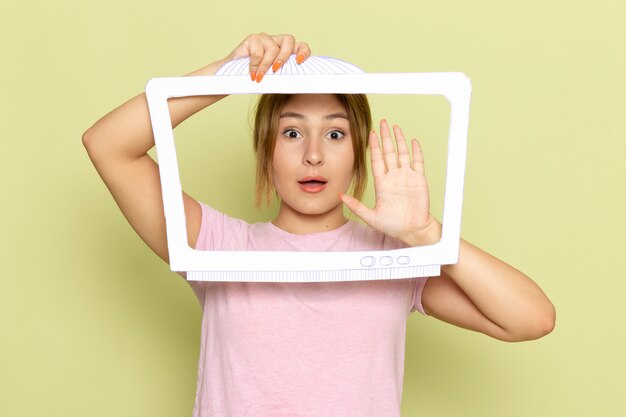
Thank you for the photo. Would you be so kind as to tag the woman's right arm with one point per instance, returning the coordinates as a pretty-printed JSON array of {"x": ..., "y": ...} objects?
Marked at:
[{"x": 118, "y": 143}]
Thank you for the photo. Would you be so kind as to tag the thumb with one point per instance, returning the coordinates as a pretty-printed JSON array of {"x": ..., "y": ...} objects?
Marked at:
[{"x": 358, "y": 208}]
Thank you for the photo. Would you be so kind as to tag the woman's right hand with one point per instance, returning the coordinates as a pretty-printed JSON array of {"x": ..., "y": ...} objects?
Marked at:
[
  {"x": 269, "y": 51},
  {"x": 118, "y": 143}
]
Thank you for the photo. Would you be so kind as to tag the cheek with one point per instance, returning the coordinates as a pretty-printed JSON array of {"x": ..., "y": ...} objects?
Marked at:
[
  {"x": 342, "y": 168},
  {"x": 280, "y": 163},
  {"x": 275, "y": 171},
  {"x": 347, "y": 161},
  {"x": 277, "y": 156}
]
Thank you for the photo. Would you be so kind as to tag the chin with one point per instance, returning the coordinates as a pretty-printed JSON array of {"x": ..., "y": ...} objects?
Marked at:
[{"x": 315, "y": 209}]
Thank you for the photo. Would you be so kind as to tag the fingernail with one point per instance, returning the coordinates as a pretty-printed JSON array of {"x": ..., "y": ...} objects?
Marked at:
[
  {"x": 253, "y": 76},
  {"x": 300, "y": 59},
  {"x": 277, "y": 65},
  {"x": 259, "y": 77}
]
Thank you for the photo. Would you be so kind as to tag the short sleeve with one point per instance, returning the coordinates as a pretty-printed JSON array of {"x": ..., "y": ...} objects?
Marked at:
[
  {"x": 210, "y": 237},
  {"x": 416, "y": 300}
]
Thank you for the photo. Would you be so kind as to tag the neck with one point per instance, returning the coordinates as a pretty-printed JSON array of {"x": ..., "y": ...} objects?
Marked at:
[{"x": 301, "y": 224}]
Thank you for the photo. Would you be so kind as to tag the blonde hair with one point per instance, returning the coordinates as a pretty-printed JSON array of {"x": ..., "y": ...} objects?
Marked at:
[{"x": 266, "y": 118}]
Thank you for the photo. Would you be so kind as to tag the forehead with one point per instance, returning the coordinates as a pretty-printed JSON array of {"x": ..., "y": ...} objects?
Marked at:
[{"x": 314, "y": 104}]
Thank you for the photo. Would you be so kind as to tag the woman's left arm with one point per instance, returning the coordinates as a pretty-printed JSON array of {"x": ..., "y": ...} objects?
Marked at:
[
  {"x": 479, "y": 292},
  {"x": 483, "y": 293}
]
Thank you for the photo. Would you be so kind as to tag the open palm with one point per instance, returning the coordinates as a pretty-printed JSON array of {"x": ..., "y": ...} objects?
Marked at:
[{"x": 402, "y": 208}]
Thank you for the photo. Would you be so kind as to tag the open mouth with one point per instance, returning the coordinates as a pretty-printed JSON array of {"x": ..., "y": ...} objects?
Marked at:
[
  {"x": 313, "y": 184},
  {"x": 313, "y": 180}
]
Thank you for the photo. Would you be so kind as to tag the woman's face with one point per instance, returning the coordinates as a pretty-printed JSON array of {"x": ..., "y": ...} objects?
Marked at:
[{"x": 313, "y": 158}]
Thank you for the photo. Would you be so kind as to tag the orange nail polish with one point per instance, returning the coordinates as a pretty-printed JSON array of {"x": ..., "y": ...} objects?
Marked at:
[
  {"x": 300, "y": 59},
  {"x": 277, "y": 65},
  {"x": 253, "y": 76},
  {"x": 259, "y": 77}
]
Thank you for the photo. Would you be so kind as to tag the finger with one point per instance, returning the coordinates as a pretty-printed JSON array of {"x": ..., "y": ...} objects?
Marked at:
[
  {"x": 254, "y": 45},
  {"x": 243, "y": 49},
  {"x": 287, "y": 44},
  {"x": 302, "y": 51},
  {"x": 358, "y": 208},
  {"x": 376, "y": 156},
  {"x": 418, "y": 157},
  {"x": 262, "y": 49},
  {"x": 270, "y": 52},
  {"x": 389, "y": 150},
  {"x": 403, "y": 151}
]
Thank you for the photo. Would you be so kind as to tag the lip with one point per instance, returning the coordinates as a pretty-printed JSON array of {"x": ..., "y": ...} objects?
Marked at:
[
  {"x": 313, "y": 178},
  {"x": 316, "y": 187}
]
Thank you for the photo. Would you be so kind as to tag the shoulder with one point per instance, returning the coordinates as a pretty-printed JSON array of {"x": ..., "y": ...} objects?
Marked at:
[{"x": 219, "y": 231}]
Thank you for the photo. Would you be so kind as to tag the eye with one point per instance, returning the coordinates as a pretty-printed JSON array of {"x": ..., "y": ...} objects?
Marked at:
[
  {"x": 335, "y": 135},
  {"x": 292, "y": 134}
]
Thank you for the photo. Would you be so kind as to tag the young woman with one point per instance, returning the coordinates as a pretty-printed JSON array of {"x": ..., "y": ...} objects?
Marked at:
[{"x": 312, "y": 349}]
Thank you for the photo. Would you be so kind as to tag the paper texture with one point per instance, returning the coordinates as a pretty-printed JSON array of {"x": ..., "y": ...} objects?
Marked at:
[{"x": 315, "y": 75}]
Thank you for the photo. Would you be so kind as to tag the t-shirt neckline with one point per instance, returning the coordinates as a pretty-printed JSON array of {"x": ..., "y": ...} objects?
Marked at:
[{"x": 328, "y": 233}]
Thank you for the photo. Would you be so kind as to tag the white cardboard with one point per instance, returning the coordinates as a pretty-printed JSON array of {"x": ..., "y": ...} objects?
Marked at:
[{"x": 316, "y": 75}]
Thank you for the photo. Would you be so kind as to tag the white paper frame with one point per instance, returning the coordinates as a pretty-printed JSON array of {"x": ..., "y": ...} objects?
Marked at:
[{"x": 277, "y": 266}]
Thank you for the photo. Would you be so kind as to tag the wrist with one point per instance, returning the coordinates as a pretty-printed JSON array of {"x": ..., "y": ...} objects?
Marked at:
[{"x": 427, "y": 235}]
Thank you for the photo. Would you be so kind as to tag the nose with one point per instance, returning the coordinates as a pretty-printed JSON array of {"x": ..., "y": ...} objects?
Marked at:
[{"x": 313, "y": 155}]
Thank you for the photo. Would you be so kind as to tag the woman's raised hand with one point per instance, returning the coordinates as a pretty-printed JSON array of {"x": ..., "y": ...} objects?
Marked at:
[
  {"x": 269, "y": 51},
  {"x": 402, "y": 208}
]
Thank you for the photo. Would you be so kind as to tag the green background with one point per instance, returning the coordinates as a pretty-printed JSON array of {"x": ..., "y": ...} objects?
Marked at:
[{"x": 92, "y": 323}]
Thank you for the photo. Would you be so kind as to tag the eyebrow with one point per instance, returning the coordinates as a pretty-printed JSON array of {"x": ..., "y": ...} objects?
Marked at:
[{"x": 328, "y": 117}]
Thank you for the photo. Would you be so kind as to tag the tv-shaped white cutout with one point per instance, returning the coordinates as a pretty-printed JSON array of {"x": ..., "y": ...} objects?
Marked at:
[{"x": 317, "y": 75}]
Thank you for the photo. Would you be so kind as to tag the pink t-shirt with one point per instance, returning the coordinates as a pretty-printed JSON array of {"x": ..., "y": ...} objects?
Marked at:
[{"x": 300, "y": 349}]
